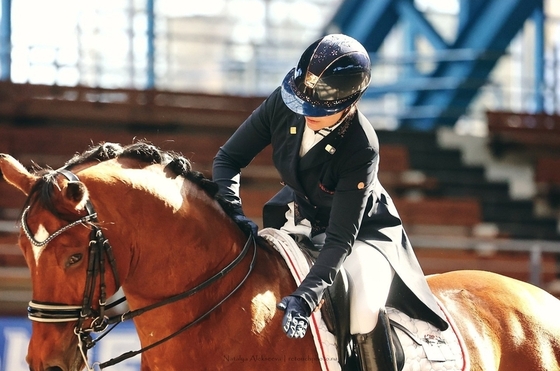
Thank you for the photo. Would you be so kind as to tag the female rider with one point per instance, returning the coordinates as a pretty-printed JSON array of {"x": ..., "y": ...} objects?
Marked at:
[{"x": 327, "y": 154}]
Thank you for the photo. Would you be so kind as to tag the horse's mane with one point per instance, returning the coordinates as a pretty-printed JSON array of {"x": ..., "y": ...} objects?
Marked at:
[{"x": 141, "y": 151}]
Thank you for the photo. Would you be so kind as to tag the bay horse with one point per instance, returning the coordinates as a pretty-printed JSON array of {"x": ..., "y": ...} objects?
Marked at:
[{"x": 201, "y": 294}]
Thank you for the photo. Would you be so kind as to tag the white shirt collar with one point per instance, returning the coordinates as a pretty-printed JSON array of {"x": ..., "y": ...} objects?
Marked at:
[{"x": 310, "y": 137}]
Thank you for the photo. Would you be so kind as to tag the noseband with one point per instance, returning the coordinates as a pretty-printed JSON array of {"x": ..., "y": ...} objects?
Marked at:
[{"x": 99, "y": 248}]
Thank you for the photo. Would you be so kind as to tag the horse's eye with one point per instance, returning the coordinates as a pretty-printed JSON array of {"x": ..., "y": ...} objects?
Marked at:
[{"x": 73, "y": 259}]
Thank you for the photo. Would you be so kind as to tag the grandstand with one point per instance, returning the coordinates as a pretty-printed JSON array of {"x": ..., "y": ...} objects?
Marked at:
[
  {"x": 468, "y": 152},
  {"x": 457, "y": 218}
]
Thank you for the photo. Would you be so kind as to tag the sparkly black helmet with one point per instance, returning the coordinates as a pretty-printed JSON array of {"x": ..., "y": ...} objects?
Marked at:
[{"x": 330, "y": 76}]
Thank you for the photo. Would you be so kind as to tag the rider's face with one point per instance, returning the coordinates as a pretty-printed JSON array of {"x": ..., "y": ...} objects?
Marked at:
[{"x": 318, "y": 123}]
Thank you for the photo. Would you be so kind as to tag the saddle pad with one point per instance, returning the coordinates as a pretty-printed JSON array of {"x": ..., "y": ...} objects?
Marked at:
[
  {"x": 325, "y": 342},
  {"x": 427, "y": 348}
]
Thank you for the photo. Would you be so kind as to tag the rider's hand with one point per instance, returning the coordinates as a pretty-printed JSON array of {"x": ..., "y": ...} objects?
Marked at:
[
  {"x": 296, "y": 313},
  {"x": 247, "y": 225}
]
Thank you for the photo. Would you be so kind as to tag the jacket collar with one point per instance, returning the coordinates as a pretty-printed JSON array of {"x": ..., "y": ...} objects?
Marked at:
[{"x": 326, "y": 148}]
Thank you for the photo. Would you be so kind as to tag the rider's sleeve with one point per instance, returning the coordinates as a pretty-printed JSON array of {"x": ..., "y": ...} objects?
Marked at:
[{"x": 248, "y": 140}]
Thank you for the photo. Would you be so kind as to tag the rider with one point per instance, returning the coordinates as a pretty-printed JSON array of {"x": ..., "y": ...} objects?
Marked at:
[{"x": 327, "y": 154}]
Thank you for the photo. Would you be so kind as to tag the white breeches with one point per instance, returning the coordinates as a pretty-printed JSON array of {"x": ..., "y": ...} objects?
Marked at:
[{"x": 370, "y": 275}]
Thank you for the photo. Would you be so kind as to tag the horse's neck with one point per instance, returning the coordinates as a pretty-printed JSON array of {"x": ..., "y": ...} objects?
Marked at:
[
  {"x": 187, "y": 246},
  {"x": 170, "y": 235}
]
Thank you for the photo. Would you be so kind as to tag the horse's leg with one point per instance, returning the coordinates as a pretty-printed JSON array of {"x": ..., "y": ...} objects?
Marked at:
[{"x": 506, "y": 324}]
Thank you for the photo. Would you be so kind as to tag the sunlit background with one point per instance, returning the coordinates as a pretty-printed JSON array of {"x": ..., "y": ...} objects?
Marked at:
[
  {"x": 218, "y": 46},
  {"x": 242, "y": 47}
]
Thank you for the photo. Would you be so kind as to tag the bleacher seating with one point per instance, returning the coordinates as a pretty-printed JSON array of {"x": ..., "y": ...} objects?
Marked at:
[
  {"x": 513, "y": 218},
  {"x": 396, "y": 174},
  {"x": 436, "y": 194},
  {"x": 547, "y": 177},
  {"x": 535, "y": 133},
  {"x": 511, "y": 264},
  {"x": 15, "y": 283}
]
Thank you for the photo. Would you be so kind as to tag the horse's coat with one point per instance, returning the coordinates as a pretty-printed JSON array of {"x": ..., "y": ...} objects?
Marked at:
[{"x": 168, "y": 235}]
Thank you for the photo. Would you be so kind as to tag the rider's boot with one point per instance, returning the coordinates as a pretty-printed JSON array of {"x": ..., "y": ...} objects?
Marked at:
[{"x": 376, "y": 350}]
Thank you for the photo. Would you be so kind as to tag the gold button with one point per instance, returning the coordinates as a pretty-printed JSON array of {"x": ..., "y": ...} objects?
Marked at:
[
  {"x": 293, "y": 130},
  {"x": 361, "y": 185}
]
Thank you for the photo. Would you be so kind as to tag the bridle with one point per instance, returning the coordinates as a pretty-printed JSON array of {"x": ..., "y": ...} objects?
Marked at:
[{"x": 99, "y": 250}]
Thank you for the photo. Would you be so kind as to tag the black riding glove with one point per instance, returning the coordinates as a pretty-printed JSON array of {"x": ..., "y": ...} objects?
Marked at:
[
  {"x": 247, "y": 225},
  {"x": 296, "y": 316}
]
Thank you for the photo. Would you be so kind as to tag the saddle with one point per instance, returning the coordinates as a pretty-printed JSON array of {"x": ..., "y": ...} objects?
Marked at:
[
  {"x": 392, "y": 326},
  {"x": 400, "y": 341}
]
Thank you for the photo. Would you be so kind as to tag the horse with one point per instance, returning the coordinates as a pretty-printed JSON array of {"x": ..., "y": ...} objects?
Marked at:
[{"x": 202, "y": 294}]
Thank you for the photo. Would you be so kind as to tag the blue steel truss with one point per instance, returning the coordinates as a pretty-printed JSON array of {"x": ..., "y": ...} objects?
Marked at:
[{"x": 441, "y": 96}]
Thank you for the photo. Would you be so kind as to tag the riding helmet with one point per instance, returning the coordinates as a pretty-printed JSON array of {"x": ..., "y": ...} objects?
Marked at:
[{"x": 330, "y": 76}]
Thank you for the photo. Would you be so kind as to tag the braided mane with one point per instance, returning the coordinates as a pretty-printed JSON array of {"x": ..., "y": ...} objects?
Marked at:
[{"x": 141, "y": 151}]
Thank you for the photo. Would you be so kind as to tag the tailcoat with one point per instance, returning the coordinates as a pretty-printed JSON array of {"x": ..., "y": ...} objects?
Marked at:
[{"x": 335, "y": 186}]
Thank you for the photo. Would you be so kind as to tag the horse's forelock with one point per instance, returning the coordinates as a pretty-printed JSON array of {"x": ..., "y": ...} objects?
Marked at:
[{"x": 42, "y": 192}]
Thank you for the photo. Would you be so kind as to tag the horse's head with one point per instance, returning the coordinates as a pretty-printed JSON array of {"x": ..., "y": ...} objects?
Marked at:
[
  {"x": 53, "y": 203},
  {"x": 60, "y": 243},
  {"x": 108, "y": 196}
]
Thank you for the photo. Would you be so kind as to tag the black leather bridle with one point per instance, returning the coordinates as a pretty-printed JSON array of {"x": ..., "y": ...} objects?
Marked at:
[{"x": 99, "y": 250}]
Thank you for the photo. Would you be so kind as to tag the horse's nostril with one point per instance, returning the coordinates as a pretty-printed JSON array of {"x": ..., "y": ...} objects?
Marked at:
[{"x": 56, "y": 368}]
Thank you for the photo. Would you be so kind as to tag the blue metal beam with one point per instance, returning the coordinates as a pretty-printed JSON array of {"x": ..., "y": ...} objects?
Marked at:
[
  {"x": 411, "y": 14},
  {"x": 538, "y": 18},
  {"x": 485, "y": 30},
  {"x": 368, "y": 21},
  {"x": 343, "y": 16},
  {"x": 6, "y": 40},
  {"x": 468, "y": 13},
  {"x": 490, "y": 33},
  {"x": 150, "y": 14}
]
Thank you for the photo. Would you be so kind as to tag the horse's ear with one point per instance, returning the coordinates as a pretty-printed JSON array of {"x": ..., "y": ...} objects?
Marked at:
[
  {"x": 77, "y": 193},
  {"x": 16, "y": 174}
]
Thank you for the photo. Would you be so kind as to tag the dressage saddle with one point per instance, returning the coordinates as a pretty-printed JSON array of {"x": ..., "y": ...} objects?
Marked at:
[{"x": 335, "y": 309}]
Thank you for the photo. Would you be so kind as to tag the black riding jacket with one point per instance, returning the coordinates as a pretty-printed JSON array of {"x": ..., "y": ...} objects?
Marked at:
[{"x": 335, "y": 187}]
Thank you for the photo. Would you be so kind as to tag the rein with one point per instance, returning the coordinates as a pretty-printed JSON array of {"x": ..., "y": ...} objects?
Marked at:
[
  {"x": 184, "y": 295},
  {"x": 99, "y": 247}
]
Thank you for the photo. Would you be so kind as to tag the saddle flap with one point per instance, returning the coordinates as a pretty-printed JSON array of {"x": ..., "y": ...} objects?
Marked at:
[
  {"x": 335, "y": 307},
  {"x": 421, "y": 340}
]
